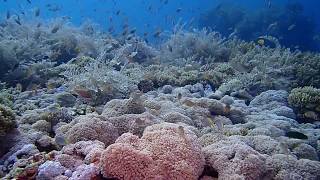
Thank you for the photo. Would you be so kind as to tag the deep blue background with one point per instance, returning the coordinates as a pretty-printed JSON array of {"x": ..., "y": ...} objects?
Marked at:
[{"x": 144, "y": 15}]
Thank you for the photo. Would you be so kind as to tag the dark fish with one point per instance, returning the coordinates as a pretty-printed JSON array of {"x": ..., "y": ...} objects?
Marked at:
[
  {"x": 29, "y": 1},
  {"x": 17, "y": 21},
  {"x": 111, "y": 29},
  {"x": 55, "y": 29},
  {"x": 39, "y": 25},
  {"x": 133, "y": 31},
  {"x": 8, "y": 14},
  {"x": 157, "y": 33},
  {"x": 262, "y": 41},
  {"x": 179, "y": 10},
  {"x": 165, "y": 1},
  {"x": 53, "y": 7},
  {"x": 118, "y": 12},
  {"x": 296, "y": 135},
  {"x": 37, "y": 12},
  {"x": 170, "y": 48},
  {"x": 125, "y": 32}
]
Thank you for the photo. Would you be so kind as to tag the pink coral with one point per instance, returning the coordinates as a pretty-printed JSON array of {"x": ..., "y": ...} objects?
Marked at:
[{"x": 165, "y": 151}]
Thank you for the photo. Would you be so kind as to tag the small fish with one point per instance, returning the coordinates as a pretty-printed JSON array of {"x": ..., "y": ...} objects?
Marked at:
[
  {"x": 157, "y": 33},
  {"x": 219, "y": 123},
  {"x": 268, "y": 3},
  {"x": 296, "y": 135},
  {"x": 311, "y": 115},
  {"x": 84, "y": 93},
  {"x": 118, "y": 12},
  {"x": 133, "y": 54},
  {"x": 316, "y": 37},
  {"x": 37, "y": 12},
  {"x": 178, "y": 10},
  {"x": 18, "y": 21},
  {"x": 272, "y": 26},
  {"x": 169, "y": 47},
  {"x": 132, "y": 31},
  {"x": 181, "y": 133},
  {"x": 8, "y": 14},
  {"x": 284, "y": 149},
  {"x": 39, "y": 25},
  {"x": 179, "y": 96},
  {"x": 19, "y": 87},
  {"x": 29, "y": 1},
  {"x": 55, "y": 29},
  {"x": 291, "y": 27},
  {"x": 111, "y": 29},
  {"x": 211, "y": 123},
  {"x": 60, "y": 140},
  {"x": 261, "y": 41}
]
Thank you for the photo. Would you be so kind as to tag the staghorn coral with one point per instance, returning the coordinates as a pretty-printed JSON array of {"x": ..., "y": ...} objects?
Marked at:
[{"x": 165, "y": 151}]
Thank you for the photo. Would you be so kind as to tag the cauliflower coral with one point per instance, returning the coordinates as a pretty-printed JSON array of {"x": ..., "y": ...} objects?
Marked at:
[{"x": 165, "y": 151}]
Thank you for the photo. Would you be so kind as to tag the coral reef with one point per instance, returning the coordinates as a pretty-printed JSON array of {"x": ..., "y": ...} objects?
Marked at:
[{"x": 79, "y": 103}]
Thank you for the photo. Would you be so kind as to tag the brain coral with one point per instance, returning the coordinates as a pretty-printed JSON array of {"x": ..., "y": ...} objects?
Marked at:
[{"x": 165, "y": 151}]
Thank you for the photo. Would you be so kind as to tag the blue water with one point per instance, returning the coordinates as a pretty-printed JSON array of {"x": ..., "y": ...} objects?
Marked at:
[{"x": 154, "y": 15}]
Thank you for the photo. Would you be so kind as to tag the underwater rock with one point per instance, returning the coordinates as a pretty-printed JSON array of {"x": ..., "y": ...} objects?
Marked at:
[
  {"x": 66, "y": 99},
  {"x": 165, "y": 151}
]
